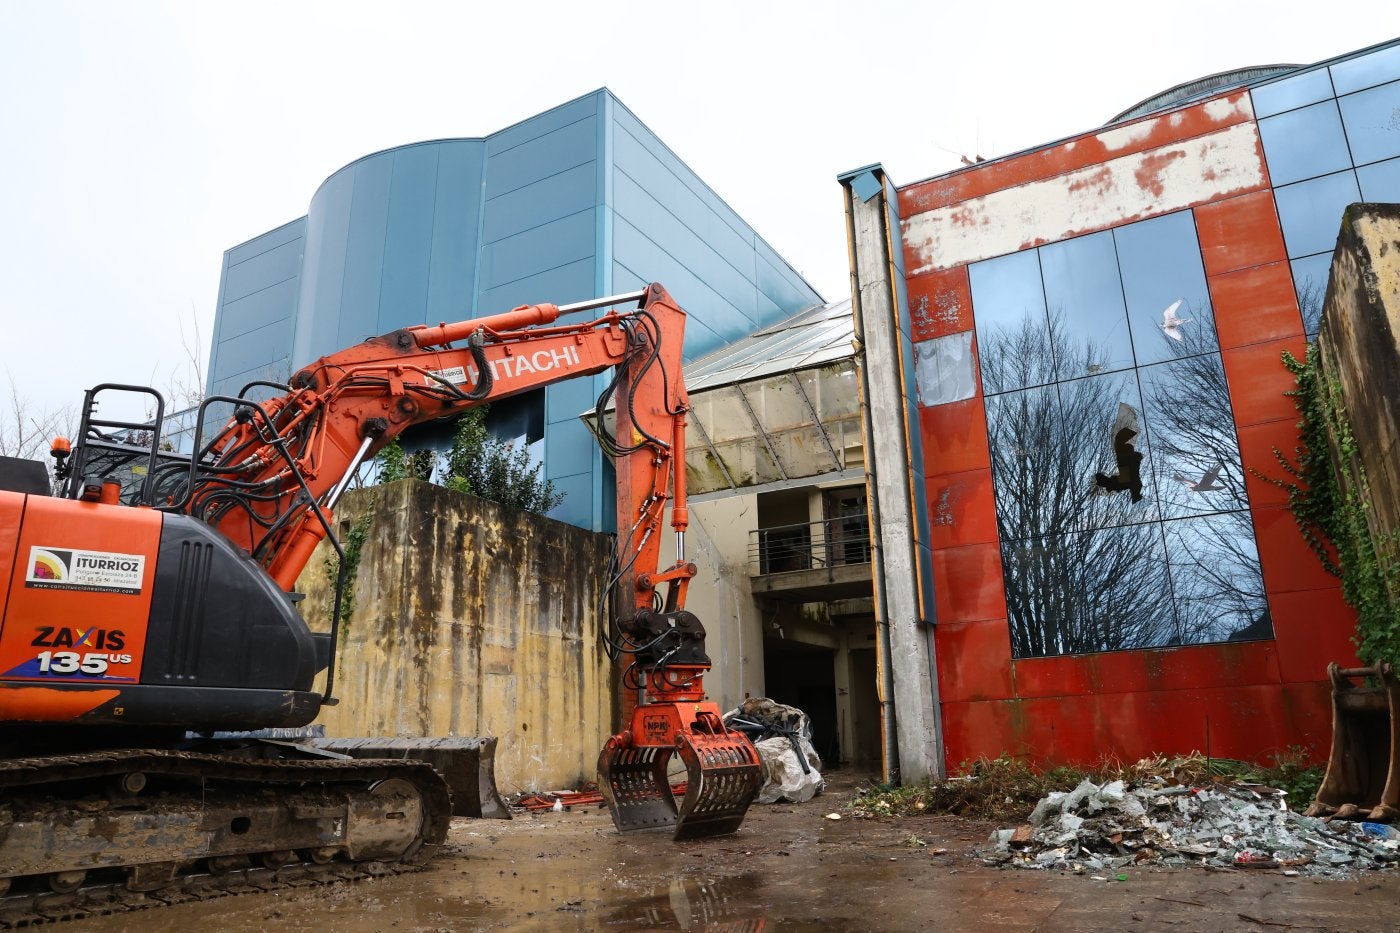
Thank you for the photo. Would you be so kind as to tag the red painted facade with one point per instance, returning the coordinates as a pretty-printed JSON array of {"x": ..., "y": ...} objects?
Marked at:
[{"x": 1241, "y": 700}]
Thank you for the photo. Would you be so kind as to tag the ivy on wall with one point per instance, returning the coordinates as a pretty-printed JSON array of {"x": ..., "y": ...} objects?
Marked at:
[
  {"x": 1327, "y": 494},
  {"x": 352, "y": 544}
]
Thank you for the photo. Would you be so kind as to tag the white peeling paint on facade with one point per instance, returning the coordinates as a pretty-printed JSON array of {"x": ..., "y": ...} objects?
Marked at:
[
  {"x": 1124, "y": 136},
  {"x": 1227, "y": 109},
  {"x": 1121, "y": 190}
]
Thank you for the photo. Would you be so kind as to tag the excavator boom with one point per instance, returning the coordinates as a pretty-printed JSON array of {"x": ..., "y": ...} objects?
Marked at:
[{"x": 152, "y": 600}]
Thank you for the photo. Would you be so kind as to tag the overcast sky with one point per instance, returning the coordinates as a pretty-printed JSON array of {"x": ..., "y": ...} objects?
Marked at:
[{"x": 142, "y": 139}]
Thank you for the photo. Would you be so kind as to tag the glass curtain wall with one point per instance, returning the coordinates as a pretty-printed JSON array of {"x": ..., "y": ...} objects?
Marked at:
[
  {"x": 1331, "y": 138},
  {"x": 1119, "y": 491}
]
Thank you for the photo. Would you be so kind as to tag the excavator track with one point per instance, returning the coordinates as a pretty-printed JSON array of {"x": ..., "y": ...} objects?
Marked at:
[{"x": 110, "y": 831}]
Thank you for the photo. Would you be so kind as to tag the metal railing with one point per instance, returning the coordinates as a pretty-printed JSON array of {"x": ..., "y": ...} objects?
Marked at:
[{"x": 810, "y": 545}]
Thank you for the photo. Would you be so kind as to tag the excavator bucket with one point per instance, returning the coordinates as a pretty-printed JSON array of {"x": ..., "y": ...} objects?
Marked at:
[
  {"x": 1363, "y": 773},
  {"x": 723, "y": 775}
]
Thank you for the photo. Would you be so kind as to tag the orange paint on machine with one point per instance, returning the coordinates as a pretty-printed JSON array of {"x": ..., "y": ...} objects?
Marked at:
[{"x": 79, "y": 593}]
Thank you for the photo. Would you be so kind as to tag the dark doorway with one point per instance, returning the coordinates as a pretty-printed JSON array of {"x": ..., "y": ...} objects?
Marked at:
[
  {"x": 805, "y": 676},
  {"x": 847, "y": 525},
  {"x": 864, "y": 732}
]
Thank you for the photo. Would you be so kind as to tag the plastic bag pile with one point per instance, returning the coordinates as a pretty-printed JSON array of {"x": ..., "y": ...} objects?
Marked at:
[{"x": 780, "y": 734}]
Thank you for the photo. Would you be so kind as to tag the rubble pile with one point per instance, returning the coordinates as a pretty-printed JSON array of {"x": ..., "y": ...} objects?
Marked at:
[{"x": 1103, "y": 828}]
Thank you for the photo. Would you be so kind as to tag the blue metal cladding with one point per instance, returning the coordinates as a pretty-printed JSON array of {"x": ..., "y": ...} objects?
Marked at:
[
  {"x": 391, "y": 241},
  {"x": 256, "y": 310},
  {"x": 669, "y": 226},
  {"x": 579, "y": 201}
]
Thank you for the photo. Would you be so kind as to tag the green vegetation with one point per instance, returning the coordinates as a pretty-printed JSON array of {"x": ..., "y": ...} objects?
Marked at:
[
  {"x": 1332, "y": 515},
  {"x": 395, "y": 465},
  {"x": 478, "y": 464},
  {"x": 1006, "y": 789},
  {"x": 353, "y": 544}
]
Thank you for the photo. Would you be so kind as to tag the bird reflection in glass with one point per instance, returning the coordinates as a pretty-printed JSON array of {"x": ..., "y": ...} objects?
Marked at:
[
  {"x": 1209, "y": 481},
  {"x": 1171, "y": 324},
  {"x": 1127, "y": 457}
]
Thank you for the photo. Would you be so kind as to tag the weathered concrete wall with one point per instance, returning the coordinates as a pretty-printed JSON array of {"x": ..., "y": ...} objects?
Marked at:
[
  {"x": 473, "y": 619},
  {"x": 721, "y": 596},
  {"x": 1360, "y": 342}
]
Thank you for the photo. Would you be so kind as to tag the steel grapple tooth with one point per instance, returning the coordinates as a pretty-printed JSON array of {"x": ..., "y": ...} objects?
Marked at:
[
  {"x": 633, "y": 779},
  {"x": 723, "y": 777}
]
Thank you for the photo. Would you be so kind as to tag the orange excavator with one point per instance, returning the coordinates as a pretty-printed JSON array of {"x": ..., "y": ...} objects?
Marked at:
[{"x": 150, "y": 611}]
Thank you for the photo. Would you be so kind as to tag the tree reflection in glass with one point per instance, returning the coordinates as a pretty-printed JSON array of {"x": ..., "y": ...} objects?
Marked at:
[{"x": 1087, "y": 568}]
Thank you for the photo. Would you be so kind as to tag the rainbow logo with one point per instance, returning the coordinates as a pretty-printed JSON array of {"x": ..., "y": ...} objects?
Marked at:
[{"x": 49, "y": 565}]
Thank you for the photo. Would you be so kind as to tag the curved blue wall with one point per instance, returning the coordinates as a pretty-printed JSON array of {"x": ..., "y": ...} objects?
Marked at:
[
  {"x": 391, "y": 240},
  {"x": 574, "y": 203}
]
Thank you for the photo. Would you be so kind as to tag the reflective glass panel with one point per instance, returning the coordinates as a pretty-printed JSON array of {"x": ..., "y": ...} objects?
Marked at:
[
  {"x": 1381, "y": 181},
  {"x": 1304, "y": 143},
  {"x": 1165, "y": 285},
  {"x": 1310, "y": 276},
  {"x": 1372, "y": 120},
  {"x": 1088, "y": 472},
  {"x": 1196, "y": 456},
  {"x": 1365, "y": 71},
  {"x": 1089, "y": 591},
  {"x": 1107, "y": 448},
  {"x": 1013, "y": 338},
  {"x": 1033, "y": 468},
  {"x": 943, "y": 369},
  {"x": 1311, "y": 212},
  {"x": 1088, "y": 324},
  {"x": 1215, "y": 579},
  {"x": 1297, "y": 91}
]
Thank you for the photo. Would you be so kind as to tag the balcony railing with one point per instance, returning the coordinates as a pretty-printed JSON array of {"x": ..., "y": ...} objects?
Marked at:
[{"x": 810, "y": 546}]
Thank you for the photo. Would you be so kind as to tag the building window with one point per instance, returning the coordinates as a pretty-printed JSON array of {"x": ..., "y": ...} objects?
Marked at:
[{"x": 1118, "y": 484}]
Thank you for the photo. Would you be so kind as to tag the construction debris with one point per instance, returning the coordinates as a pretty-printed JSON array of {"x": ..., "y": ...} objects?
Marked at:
[
  {"x": 1156, "y": 821},
  {"x": 782, "y": 735}
]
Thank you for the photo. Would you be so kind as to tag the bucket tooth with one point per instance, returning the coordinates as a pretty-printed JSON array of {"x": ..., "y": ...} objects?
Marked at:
[
  {"x": 723, "y": 778},
  {"x": 633, "y": 779}
]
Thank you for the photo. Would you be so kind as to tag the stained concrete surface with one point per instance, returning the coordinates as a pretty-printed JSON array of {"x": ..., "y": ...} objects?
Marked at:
[{"x": 789, "y": 868}]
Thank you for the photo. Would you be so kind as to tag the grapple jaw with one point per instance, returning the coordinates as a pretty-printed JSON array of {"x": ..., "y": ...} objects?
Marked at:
[{"x": 723, "y": 773}]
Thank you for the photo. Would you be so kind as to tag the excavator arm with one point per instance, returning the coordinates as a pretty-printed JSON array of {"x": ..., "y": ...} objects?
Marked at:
[{"x": 269, "y": 479}]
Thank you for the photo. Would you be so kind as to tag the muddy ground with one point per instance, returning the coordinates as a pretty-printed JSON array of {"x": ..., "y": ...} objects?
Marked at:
[{"x": 788, "y": 868}]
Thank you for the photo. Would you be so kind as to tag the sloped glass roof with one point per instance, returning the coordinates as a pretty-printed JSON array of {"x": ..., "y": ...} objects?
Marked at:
[
  {"x": 777, "y": 406},
  {"x": 820, "y": 334}
]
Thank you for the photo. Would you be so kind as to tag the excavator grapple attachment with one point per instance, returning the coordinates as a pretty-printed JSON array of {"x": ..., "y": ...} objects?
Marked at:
[
  {"x": 723, "y": 776},
  {"x": 633, "y": 780}
]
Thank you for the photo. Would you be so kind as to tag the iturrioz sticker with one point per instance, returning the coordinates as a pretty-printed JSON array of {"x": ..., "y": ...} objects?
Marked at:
[{"x": 52, "y": 568}]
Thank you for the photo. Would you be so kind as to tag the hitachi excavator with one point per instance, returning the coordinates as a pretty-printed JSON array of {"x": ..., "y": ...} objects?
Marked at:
[{"x": 150, "y": 604}]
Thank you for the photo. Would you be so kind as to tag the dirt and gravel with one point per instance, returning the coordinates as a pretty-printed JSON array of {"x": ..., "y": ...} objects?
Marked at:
[{"x": 788, "y": 868}]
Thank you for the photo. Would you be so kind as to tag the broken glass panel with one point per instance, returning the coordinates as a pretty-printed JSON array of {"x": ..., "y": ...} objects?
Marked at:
[{"x": 943, "y": 369}]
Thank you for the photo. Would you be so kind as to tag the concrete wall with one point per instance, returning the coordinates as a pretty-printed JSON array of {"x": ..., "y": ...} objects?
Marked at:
[
  {"x": 472, "y": 619},
  {"x": 721, "y": 596},
  {"x": 1360, "y": 343}
]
